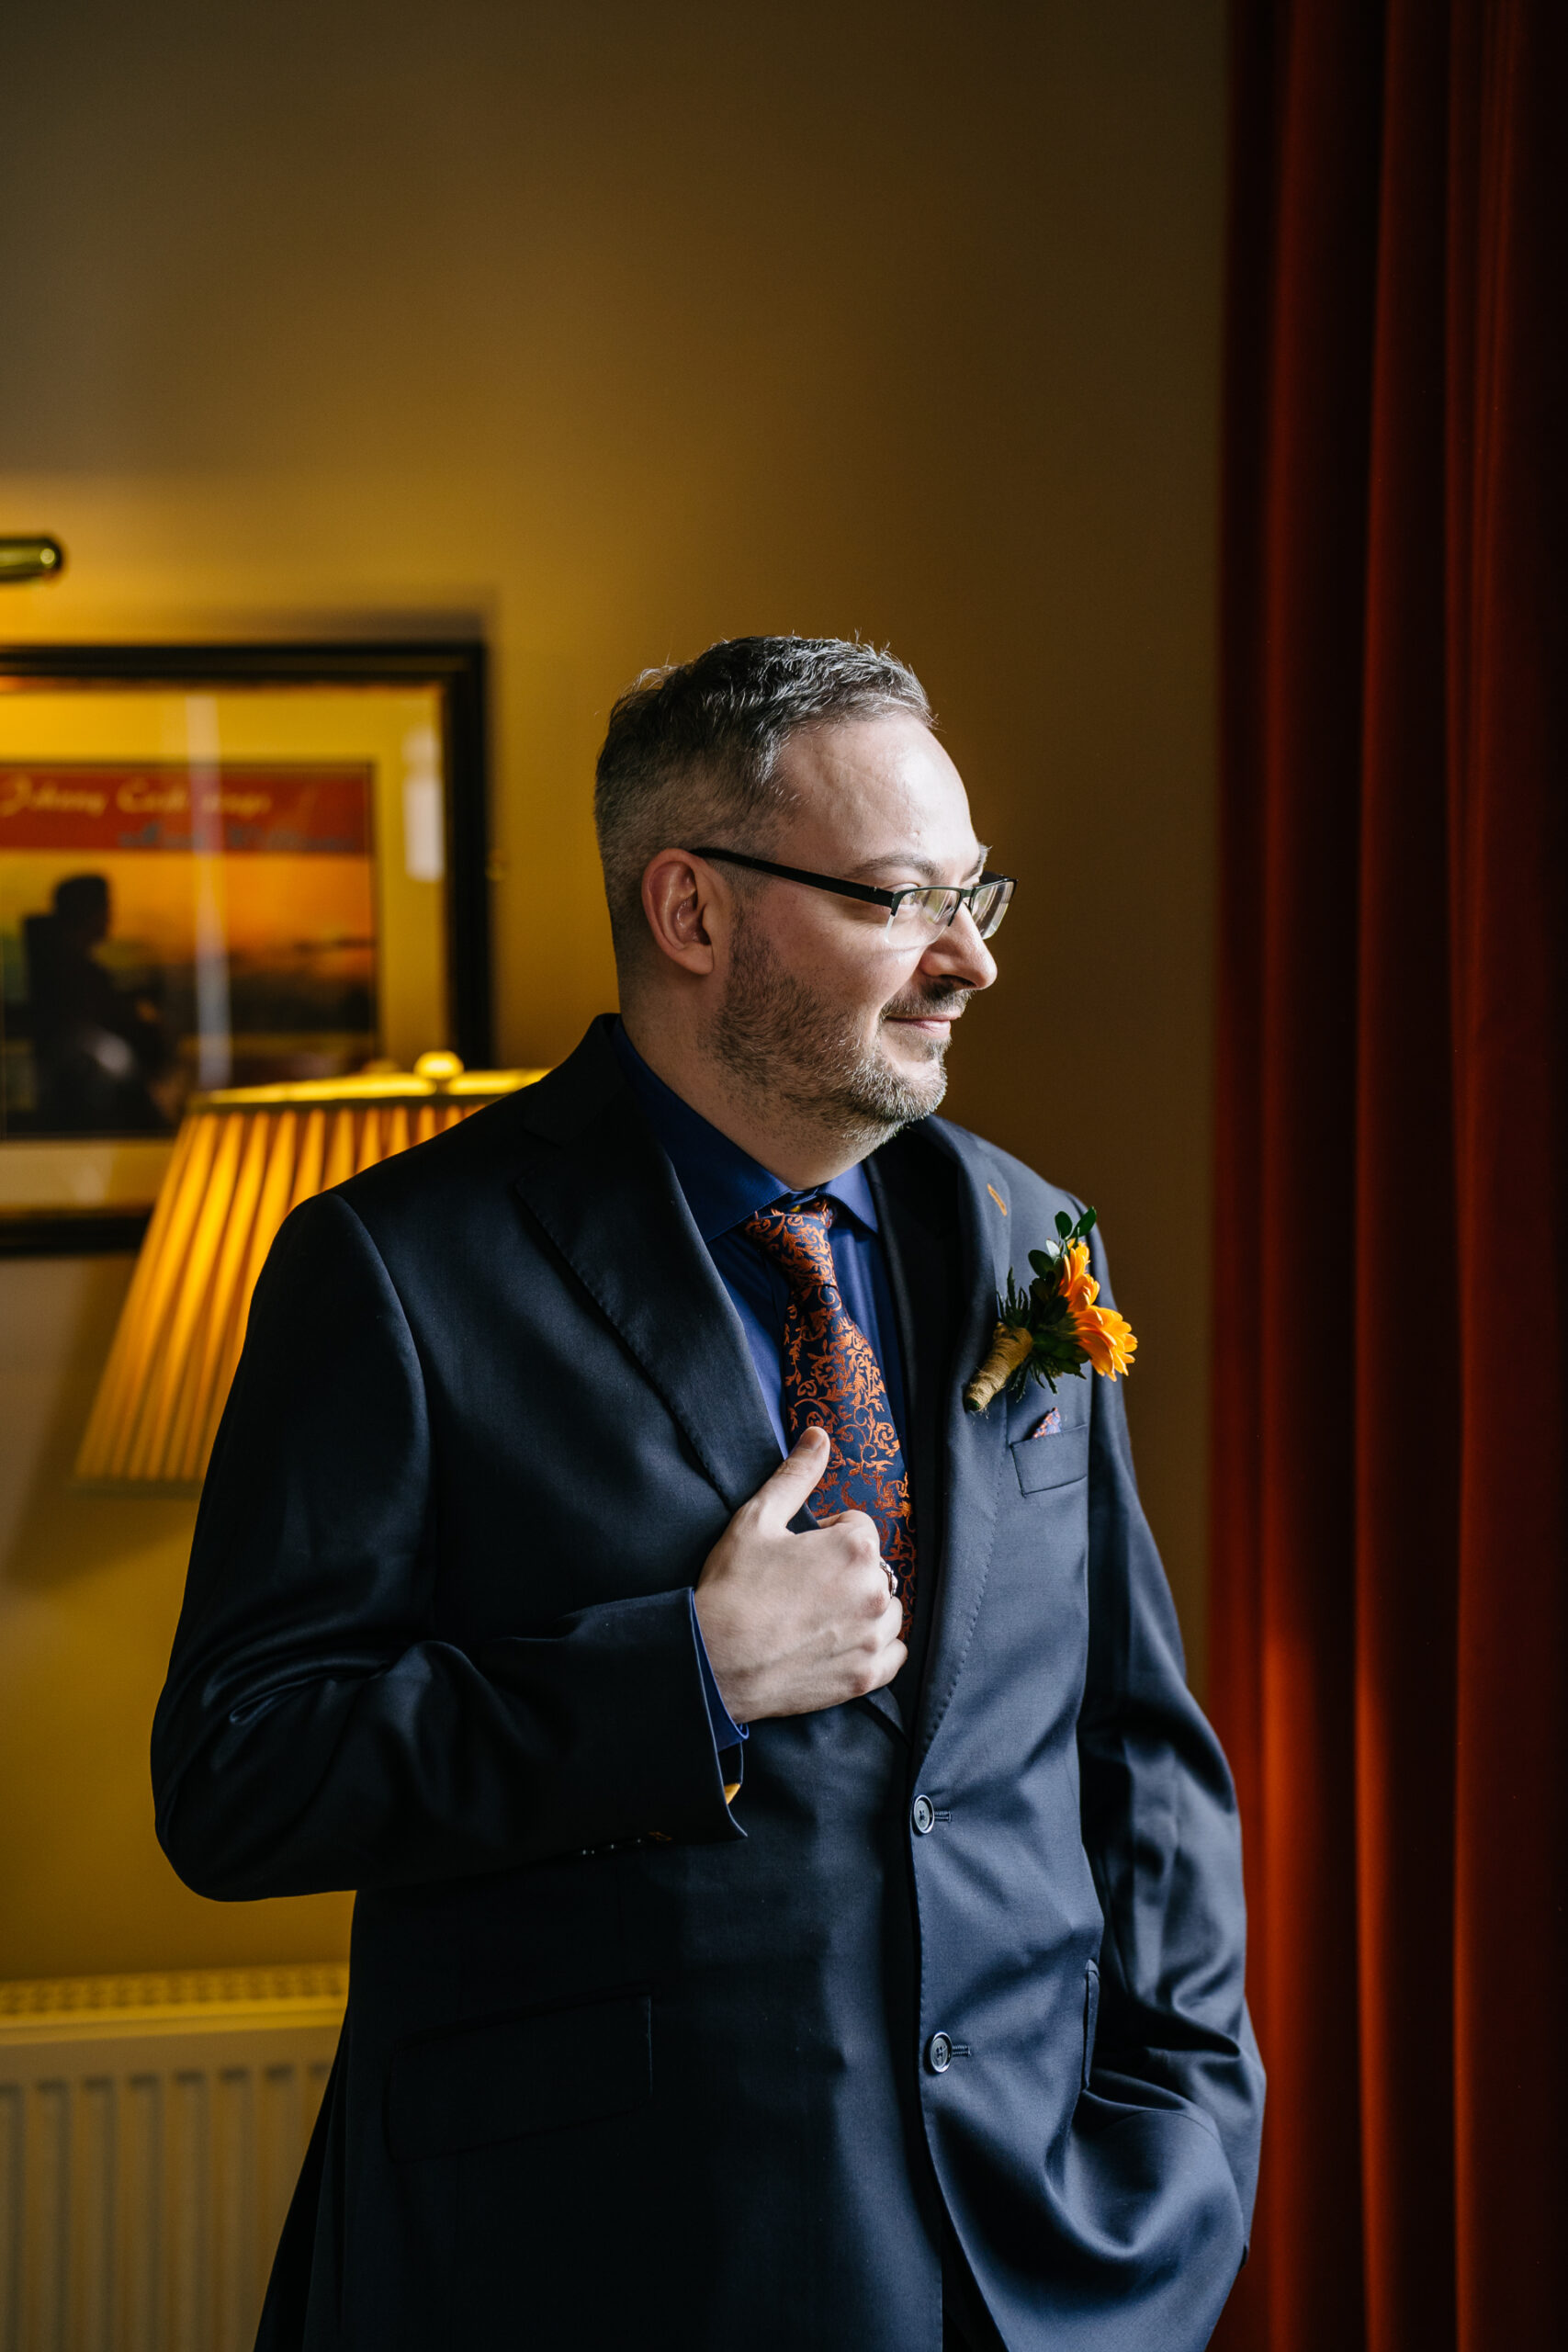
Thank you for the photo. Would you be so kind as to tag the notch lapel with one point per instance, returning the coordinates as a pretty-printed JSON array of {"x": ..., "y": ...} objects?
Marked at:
[
  {"x": 592, "y": 1176},
  {"x": 971, "y": 1444}
]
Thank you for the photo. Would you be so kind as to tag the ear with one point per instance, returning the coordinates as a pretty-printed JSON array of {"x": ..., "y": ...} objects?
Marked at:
[{"x": 686, "y": 905}]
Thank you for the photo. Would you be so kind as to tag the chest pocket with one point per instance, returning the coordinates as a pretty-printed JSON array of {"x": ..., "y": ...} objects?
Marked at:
[{"x": 1055, "y": 1459}]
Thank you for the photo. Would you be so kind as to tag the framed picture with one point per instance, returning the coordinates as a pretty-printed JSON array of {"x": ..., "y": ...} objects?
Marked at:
[{"x": 222, "y": 865}]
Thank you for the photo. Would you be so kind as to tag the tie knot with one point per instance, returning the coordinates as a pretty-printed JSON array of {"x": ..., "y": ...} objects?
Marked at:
[{"x": 794, "y": 1235}]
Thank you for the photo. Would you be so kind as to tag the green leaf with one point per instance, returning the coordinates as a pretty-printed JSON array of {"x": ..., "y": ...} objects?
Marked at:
[
  {"x": 1064, "y": 1224},
  {"x": 1086, "y": 1224}
]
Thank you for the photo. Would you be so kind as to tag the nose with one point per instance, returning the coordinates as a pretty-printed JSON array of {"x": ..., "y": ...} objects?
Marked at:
[{"x": 959, "y": 953}]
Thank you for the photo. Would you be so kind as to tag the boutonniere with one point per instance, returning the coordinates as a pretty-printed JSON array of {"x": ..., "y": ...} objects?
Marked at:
[{"x": 1052, "y": 1328}]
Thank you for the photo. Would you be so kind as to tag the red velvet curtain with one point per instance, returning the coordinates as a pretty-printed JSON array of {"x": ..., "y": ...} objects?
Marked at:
[{"x": 1389, "y": 1593}]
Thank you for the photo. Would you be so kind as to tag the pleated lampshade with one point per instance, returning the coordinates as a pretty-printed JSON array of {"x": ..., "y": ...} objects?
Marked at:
[{"x": 241, "y": 1160}]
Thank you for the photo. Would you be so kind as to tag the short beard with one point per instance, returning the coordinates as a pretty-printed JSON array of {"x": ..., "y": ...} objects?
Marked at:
[{"x": 794, "y": 1049}]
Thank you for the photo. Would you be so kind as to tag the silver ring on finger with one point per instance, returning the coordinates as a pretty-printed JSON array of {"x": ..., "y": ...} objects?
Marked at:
[{"x": 892, "y": 1581}]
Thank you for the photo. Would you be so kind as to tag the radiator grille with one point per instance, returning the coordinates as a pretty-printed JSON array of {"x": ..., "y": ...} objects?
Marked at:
[{"x": 151, "y": 2133}]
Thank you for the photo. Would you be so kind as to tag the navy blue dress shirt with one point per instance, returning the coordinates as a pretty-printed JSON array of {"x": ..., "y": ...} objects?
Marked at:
[{"x": 723, "y": 1187}]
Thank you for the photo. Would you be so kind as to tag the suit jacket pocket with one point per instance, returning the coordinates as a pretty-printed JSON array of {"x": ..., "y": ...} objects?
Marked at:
[
  {"x": 470, "y": 2089},
  {"x": 1055, "y": 1460}
]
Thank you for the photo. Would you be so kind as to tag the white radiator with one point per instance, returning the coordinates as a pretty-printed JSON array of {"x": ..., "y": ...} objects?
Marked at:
[{"x": 151, "y": 2133}]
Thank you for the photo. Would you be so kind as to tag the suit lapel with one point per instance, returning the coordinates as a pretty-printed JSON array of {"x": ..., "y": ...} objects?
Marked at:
[
  {"x": 969, "y": 1445},
  {"x": 592, "y": 1176}
]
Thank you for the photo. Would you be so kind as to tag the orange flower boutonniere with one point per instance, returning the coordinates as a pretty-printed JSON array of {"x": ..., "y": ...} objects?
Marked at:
[{"x": 1052, "y": 1328}]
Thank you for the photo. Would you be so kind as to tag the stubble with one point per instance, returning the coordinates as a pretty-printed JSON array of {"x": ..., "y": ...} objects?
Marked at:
[{"x": 796, "y": 1051}]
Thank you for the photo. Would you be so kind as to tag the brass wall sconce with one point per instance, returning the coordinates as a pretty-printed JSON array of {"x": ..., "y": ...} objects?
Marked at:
[{"x": 32, "y": 555}]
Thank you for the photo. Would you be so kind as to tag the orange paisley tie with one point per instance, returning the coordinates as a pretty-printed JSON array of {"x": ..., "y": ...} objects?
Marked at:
[{"x": 831, "y": 1377}]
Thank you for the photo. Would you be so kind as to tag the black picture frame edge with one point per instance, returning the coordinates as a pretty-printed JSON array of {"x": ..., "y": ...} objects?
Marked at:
[
  {"x": 79, "y": 1233},
  {"x": 459, "y": 666}
]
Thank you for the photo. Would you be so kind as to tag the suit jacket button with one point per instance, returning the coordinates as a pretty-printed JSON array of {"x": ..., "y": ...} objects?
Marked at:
[
  {"x": 939, "y": 2053},
  {"x": 923, "y": 1814}
]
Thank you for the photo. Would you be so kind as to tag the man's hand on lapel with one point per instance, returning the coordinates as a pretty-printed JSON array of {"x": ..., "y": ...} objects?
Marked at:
[{"x": 797, "y": 1622}]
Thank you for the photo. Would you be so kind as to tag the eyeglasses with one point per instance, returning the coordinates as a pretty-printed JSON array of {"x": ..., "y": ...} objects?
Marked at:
[{"x": 919, "y": 911}]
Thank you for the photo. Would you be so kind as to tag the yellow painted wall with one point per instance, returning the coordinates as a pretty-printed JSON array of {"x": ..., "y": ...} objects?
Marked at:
[{"x": 609, "y": 330}]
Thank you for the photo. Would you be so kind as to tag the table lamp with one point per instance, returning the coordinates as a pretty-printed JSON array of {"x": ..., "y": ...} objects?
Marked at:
[{"x": 244, "y": 1158}]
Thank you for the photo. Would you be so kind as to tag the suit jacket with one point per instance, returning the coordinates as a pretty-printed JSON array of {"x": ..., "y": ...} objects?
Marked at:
[{"x": 620, "y": 2065}]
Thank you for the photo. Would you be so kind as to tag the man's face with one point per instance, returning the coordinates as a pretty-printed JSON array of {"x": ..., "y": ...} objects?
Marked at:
[{"x": 821, "y": 1007}]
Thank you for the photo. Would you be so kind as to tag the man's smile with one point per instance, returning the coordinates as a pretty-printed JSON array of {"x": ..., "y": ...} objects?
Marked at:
[
  {"x": 930, "y": 1024},
  {"x": 931, "y": 1018}
]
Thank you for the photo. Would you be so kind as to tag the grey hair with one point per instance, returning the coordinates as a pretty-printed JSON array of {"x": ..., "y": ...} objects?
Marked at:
[{"x": 691, "y": 753}]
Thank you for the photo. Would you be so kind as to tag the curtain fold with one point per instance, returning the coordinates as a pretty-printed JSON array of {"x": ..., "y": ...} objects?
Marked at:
[{"x": 1389, "y": 1630}]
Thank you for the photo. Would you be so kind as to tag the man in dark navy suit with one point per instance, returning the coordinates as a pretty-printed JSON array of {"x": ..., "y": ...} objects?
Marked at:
[{"x": 798, "y": 1901}]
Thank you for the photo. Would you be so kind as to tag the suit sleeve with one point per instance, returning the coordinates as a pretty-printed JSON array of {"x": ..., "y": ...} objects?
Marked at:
[
  {"x": 314, "y": 1732},
  {"x": 1160, "y": 1828}
]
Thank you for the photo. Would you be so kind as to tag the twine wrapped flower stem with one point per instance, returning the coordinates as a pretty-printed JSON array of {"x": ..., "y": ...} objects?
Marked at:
[{"x": 1050, "y": 1330}]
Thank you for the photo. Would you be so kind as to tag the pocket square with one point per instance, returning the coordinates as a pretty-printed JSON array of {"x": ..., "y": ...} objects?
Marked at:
[{"x": 1051, "y": 1426}]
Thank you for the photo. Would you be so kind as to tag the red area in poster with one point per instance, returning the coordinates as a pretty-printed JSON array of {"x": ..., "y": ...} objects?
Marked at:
[{"x": 236, "y": 807}]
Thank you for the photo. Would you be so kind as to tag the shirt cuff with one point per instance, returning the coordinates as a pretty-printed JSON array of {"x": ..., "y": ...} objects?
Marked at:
[{"x": 728, "y": 1733}]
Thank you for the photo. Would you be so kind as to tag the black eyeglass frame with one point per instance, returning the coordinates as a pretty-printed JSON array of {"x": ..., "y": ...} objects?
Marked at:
[{"x": 962, "y": 894}]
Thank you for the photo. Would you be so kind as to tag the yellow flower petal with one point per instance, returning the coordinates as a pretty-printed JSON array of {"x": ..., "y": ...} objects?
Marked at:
[
  {"x": 1106, "y": 1338},
  {"x": 1075, "y": 1281}
]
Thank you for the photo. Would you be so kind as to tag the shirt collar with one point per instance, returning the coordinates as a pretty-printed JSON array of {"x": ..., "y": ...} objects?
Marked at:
[{"x": 723, "y": 1184}]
